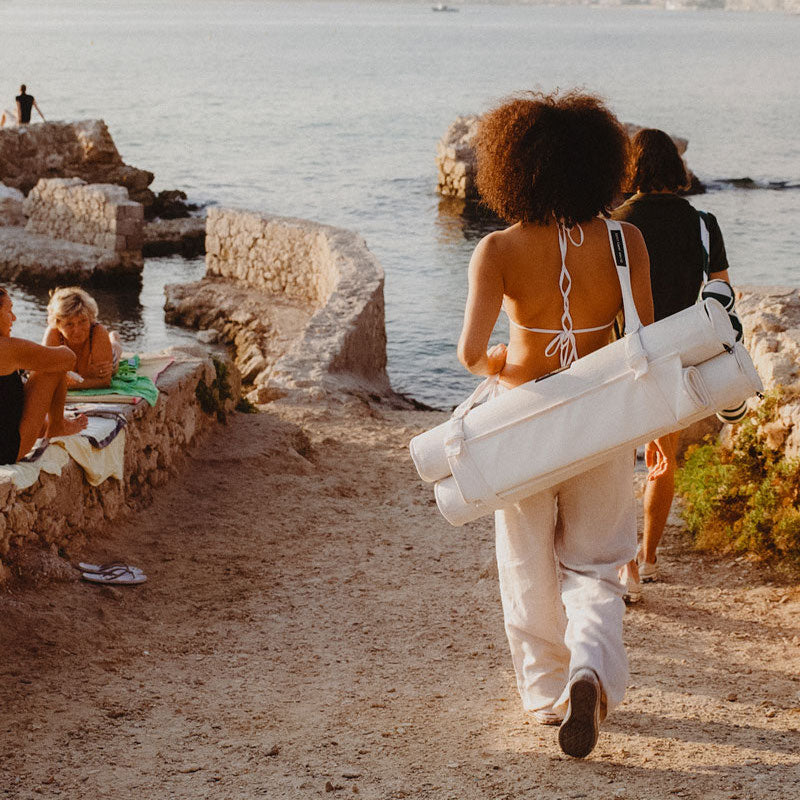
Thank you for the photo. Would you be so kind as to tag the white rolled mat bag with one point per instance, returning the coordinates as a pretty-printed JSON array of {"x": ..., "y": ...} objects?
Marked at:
[{"x": 654, "y": 380}]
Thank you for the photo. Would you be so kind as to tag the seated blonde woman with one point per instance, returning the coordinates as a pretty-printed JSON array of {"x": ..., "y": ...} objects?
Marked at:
[
  {"x": 72, "y": 321},
  {"x": 33, "y": 407}
]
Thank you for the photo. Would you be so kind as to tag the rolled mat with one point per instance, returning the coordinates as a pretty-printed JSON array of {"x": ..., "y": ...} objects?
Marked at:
[
  {"x": 696, "y": 334},
  {"x": 625, "y": 412}
]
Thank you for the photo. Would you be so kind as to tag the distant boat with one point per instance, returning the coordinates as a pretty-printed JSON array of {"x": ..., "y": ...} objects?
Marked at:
[{"x": 443, "y": 7}]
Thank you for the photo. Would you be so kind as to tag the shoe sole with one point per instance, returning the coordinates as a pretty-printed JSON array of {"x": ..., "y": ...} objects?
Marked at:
[{"x": 578, "y": 734}]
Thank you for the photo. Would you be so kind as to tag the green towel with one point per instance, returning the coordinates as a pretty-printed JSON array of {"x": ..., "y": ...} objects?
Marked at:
[{"x": 125, "y": 381}]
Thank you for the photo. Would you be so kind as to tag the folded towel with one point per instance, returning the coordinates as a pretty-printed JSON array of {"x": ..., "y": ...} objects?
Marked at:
[{"x": 125, "y": 382}]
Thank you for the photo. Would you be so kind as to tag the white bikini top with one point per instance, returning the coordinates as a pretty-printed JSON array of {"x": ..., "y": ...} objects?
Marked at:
[{"x": 564, "y": 340}]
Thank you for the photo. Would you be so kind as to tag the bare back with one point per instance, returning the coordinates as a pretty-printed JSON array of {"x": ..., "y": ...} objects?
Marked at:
[{"x": 520, "y": 268}]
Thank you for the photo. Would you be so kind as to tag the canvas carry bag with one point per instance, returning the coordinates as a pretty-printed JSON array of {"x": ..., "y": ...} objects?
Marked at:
[{"x": 523, "y": 440}]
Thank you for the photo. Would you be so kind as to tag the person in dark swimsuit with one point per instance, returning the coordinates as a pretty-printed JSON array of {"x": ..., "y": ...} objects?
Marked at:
[
  {"x": 35, "y": 407},
  {"x": 72, "y": 321}
]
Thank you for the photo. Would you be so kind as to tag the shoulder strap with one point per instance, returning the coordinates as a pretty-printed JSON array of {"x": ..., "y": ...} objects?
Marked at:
[
  {"x": 620, "y": 253},
  {"x": 705, "y": 241},
  {"x": 634, "y": 351}
]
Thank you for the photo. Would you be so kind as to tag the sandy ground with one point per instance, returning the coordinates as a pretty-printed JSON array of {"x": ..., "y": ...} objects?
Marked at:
[{"x": 312, "y": 628}]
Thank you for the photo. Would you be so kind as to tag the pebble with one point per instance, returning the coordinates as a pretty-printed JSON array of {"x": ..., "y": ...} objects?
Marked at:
[{"x": 732, "y": 697}]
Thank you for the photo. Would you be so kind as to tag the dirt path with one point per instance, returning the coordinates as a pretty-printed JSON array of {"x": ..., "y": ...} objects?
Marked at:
[{"x": 312, "y": 628}]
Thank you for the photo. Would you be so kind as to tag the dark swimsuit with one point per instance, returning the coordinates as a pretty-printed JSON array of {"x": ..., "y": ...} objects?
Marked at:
[{"x": 12, "y": 399}]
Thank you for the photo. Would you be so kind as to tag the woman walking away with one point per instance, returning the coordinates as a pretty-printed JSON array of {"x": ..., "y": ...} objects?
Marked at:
[
  {"x": 550, "y": 165},
  {"x": 672, "y": 232},
  {"x": 35, "y": 407}
]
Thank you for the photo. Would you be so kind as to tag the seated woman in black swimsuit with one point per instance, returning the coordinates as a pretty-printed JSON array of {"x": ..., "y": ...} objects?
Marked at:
[{"x": 36, "y": 407}]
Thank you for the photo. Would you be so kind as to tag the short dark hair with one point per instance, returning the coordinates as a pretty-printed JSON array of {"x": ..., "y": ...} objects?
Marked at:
[
  {"x": 655, "y": 163},
  {"x": 23, "y": 89},
  {"x": 542, "y": 156}
]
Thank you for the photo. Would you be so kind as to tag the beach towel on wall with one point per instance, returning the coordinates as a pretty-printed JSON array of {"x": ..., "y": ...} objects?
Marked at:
[
  {"x": 97, "y": 463},
  {"x": 126, "y": 382},
  {"x": 24, "y": 474}
]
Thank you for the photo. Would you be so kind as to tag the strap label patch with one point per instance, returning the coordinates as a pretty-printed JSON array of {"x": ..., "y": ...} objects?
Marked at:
[{"x": 619, "y": 248}]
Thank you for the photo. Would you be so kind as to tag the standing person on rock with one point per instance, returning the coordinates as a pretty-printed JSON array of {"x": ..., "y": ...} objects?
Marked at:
[
  {"x": 671, "y": 230},
  {"x": 35, "y": 407},
  {"x": 552, "y": 165},
  {"x": 25, "y": 103}
]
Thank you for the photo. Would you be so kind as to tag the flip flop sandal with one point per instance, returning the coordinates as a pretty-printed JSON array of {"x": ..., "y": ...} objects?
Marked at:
[
  {"x": 100, "y": 568},
  {"x": 121, "y": 574}
]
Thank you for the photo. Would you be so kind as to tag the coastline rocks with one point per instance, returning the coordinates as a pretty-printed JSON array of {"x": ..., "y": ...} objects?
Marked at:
[
  {"x": 170, "y": 204},
  {"x": 164, "y": 237},
  {"x": 456, "y": 159},
  {"x": 75, "y": 233},
  {"x": 36, "y": 260},
  {"x": 771, "y": 320},
  {"x": 325, "y": 283},
  {"x": 65, "y": 150},
  {"x": 260, "y": 327}
]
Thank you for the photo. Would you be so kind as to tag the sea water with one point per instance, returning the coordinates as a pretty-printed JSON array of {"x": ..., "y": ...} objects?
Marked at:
[{"x": 331, "y": 111}]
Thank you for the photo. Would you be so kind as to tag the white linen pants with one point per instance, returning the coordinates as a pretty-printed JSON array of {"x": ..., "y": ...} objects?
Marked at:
[{"x": 558, "y": 555}]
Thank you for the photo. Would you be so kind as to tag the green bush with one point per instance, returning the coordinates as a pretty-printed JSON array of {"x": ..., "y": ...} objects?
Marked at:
[
  {"x": 743, "y": 497},
  {"x": 212, "y": 398}
]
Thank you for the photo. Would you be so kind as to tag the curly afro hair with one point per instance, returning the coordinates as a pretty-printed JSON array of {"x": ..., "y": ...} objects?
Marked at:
[
  {"x": 548, "y": 155},
  {"x": 655, "y": 164}
]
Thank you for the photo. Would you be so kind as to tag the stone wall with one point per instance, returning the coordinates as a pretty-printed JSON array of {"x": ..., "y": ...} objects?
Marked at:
[
  {"x": 63, "y": 511},
  {"x": 100, "y": 215},
  {"x": 276, "y": 254},
  {"x": 65, "y": 150},
  {"x": 330, "y": 270}
]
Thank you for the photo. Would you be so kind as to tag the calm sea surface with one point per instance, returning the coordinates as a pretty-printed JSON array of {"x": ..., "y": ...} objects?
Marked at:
[{"x": 331, "y": 111}]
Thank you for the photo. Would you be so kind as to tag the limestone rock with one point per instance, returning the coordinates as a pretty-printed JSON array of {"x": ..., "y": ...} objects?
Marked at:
[
  {"x": 771, "y": 320},
  {"x": 185, "y": 236},
  {"x": 65, "y": 150},
  {"x": 456, "y": 158},
  {"x": 11, "y": 206},
  {"x": 36, "y": 260}
]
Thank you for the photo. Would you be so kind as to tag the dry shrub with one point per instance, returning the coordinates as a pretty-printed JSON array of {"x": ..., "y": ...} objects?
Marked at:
[{"x": 742, "y": 496}]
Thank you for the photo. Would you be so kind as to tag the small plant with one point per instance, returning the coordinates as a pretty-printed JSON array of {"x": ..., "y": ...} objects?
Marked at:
[
  {"x": 244, "y": 406},
  {"x": 212, "y": 398},
  {"x": 743, "y": 496}
]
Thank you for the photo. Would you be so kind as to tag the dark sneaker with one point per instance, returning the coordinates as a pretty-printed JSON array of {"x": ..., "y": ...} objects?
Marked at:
[{"x": 578, "y": 733}]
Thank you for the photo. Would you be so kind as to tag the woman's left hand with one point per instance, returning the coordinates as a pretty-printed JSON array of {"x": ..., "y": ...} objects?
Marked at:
[
  {"x": 496, "y": 358},
  {"x": 657, "y": 459},
  {"x": 103, "y": 369}
]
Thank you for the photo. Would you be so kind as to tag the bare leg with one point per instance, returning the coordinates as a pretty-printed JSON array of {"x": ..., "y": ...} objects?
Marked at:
[
  {"x": 658, "y": 496},
  {"x": 43, "y": 411}
]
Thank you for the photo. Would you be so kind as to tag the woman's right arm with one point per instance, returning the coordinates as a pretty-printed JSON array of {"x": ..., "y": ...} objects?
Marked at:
[
  {"x": 484, "y": 300},
  {"x": 23, "y": 354}
]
